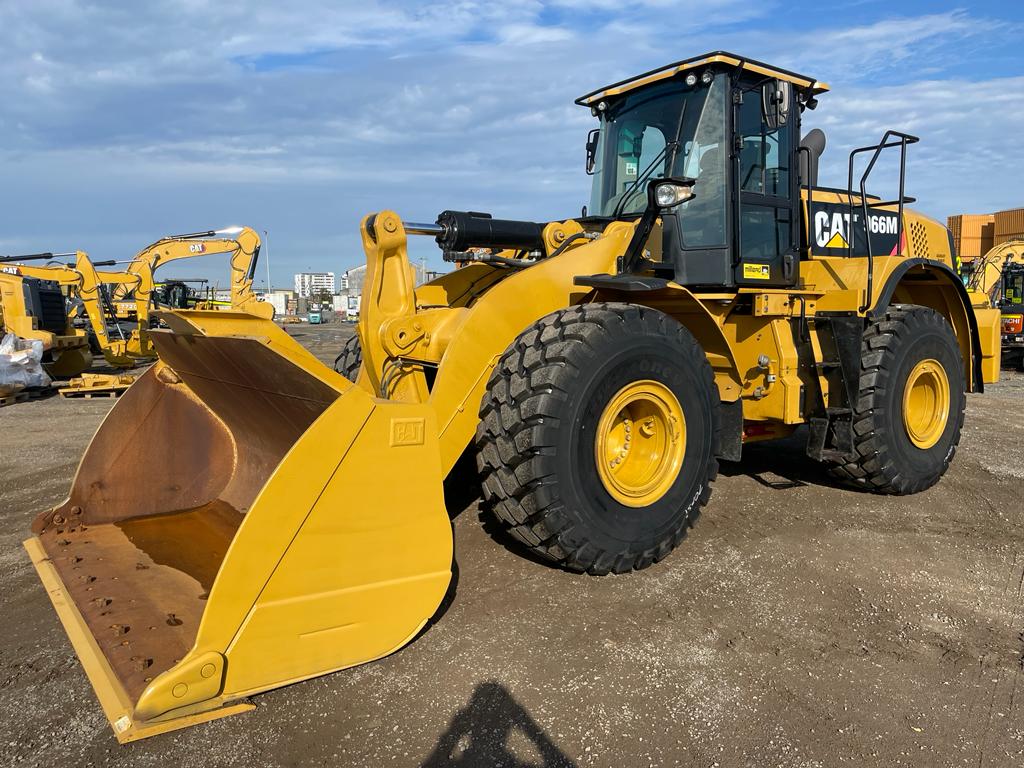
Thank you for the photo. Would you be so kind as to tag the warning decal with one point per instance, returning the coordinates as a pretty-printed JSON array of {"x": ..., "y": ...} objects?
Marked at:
[{"x": 834, "y": 224}]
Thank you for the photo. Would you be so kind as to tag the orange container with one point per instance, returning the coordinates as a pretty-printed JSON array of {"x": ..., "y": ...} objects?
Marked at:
[{"x": 1009, "y": 225}]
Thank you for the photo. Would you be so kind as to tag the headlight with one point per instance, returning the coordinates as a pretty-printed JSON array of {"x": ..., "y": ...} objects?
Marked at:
[
  {"x": 670, "y": 194},
  {"x": 691, "y": 79}
]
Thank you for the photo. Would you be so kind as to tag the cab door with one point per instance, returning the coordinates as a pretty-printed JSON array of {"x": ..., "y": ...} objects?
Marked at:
[{"x": 766, "y": 224}]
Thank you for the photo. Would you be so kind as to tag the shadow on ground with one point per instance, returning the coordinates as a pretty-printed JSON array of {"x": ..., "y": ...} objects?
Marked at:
[
  {"x": 494, "y": 730},
  {"x": 782, "y": 465}
]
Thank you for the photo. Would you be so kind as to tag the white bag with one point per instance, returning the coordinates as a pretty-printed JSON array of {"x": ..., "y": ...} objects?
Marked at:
[{"x": 21, "y": 364}]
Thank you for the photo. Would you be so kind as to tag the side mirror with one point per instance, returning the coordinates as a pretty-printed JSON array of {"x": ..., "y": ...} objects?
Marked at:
[
  {"x": 592, "y": 139},
  {"x": 776, "y": 96},
  {"x": 665, "y": 194}
]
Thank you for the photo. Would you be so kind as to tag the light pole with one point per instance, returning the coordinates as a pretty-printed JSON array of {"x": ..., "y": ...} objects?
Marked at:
[{"x": 266, "y": 246}]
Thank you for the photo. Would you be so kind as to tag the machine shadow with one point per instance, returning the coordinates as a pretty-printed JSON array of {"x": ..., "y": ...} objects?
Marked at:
[
  {"x": 462, "y": 485},
  {"x": 782, "y": 465},
  {"x": 482, "y": 733}
]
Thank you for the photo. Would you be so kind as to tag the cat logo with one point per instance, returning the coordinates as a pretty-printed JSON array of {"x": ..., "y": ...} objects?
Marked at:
[
  {"x": 831, "y": 231},
  {"x": 837, "y": 229},
  {"x": 10, "y": 270},
  {"x": 197, "y": 248}
]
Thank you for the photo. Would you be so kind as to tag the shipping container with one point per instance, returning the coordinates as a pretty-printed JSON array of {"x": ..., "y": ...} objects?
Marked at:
[
  {"x": 1009, "y": 224},
  {"x": 972, "y": 234}
]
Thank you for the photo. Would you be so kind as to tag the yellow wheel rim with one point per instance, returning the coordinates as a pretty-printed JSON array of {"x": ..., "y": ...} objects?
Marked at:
[
  {"x": 926, "y": 403},
  {"x": 640, "y": 443}
]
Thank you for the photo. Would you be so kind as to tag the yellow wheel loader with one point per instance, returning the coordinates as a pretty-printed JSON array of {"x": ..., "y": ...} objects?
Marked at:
[
  {"x": 33, "y": 306},
  {"x": 599, "y": 367}
]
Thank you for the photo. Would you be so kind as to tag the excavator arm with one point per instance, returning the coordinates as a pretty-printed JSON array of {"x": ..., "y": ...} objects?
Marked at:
[
  {"x": 242, "y": 243},
  {"x": 986, "y": 277}
]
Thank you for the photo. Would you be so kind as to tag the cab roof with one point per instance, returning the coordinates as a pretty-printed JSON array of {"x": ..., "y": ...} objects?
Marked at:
[{"x": 807, "y": 85}]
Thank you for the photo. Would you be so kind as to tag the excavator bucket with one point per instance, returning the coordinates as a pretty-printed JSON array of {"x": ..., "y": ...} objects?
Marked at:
[{"x": 244, "y": 518}]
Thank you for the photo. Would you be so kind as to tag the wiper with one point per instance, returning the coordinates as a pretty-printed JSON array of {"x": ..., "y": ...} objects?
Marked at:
[
  {"x": 674, "y": 145},
  {"x": 631, "y": 190}
]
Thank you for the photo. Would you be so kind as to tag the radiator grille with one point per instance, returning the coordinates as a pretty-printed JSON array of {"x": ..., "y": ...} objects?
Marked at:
[{"x": 919, "y": 239}]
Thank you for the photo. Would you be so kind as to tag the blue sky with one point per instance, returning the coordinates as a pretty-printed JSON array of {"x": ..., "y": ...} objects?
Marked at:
[{"x": 122, "y": 122}]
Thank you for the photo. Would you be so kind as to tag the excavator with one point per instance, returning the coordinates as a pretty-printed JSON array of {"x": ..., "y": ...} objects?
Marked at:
[
  {"x": 1011, "y": 304},
  {"x": 984, "y": 275},
  {"x": 994, "y": 281},
  {"x": 83, "y": 283},
  {"x": 242, "y": 243},
  {"x": 598, "y": 367}
]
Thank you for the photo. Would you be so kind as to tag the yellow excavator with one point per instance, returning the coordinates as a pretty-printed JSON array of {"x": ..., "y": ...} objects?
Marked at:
[
  {"x": 598, "y": 367},
  {"x": 983, "y": 276},
  {"x": 83, "y": 283},
  {"x": 33, "y": 306},
  {"x": 242, "y": 243},
  {"x": 994, "y": 280}
]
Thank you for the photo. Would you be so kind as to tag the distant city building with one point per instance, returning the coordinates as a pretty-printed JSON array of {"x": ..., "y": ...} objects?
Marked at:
[
  {"x": 310, "y": 283},
  {"x": 350, "y": 291}
]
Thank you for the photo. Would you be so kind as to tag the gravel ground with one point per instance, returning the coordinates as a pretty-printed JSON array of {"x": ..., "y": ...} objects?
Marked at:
[{"x": 800, "y": 624}]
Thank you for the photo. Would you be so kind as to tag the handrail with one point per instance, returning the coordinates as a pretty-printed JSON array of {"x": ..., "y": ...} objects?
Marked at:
[{"x": 889, "y": 139}]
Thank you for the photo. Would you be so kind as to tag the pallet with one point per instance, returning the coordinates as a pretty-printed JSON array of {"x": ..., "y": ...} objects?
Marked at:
[
  {"x": 17, "y": 397},
  {"x": 22, "y": 396},
  {"x": 90, "y": 385},
  {"x": 86, "y": 395}
]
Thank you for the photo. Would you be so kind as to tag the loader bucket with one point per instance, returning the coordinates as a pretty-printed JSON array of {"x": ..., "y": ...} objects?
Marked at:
[{"x": 244, "y": 518}]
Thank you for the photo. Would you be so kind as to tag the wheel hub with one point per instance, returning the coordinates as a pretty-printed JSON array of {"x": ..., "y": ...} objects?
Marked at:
[
  {"x": 926, "y": 403},
  {"x": 640, "y": 443}
]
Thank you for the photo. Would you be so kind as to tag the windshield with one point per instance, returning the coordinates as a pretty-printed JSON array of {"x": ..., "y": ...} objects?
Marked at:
[{"x": 681, "y": 130}]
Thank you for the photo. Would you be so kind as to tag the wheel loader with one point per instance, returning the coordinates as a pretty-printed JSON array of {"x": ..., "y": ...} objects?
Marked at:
[{"x": 598, "y": 367}]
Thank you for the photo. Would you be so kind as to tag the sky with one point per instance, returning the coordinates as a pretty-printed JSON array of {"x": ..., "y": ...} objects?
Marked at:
[{"x": 126, "y": 121}]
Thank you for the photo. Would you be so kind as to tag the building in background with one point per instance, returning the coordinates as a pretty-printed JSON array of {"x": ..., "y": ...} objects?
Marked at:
[
  {"x": 351, "y": 293},
  {"x": 350, "y": 290},
  {"x": 283, "y": 302},
  {"x": 308, "y": 284}
]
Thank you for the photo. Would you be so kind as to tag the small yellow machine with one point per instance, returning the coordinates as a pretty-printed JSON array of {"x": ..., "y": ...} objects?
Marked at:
[
  {"x": 599, "y": 367},
  {"x": 33, "y": 306}
]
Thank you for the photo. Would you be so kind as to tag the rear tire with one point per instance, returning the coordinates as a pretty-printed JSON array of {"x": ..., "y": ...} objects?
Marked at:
[
  {"x": 900, "y": 448},
  {"x": 350, "y": 359},
  {"x": 554, "y": 391}
]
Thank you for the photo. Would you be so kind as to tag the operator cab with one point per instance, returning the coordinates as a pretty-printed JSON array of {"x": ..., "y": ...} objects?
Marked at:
[{"x": 729, "y": 129}]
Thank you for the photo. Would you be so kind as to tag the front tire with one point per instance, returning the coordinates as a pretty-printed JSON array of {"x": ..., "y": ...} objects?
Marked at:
[
  {"x": 350, "y": 359},
  {"x": 910, "y": 408},
  {"x": 598, "y": 434}
]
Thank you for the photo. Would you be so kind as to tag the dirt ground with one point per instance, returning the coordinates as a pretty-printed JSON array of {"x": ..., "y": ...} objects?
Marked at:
[{"x": 800, "y": 624}]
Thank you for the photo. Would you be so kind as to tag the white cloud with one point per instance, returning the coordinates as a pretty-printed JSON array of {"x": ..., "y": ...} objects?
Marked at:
[{"x": 125, "y": 121}]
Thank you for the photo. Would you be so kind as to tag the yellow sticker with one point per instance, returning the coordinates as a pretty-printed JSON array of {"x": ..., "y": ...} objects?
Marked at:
[{"x": 756, "y": 271}]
